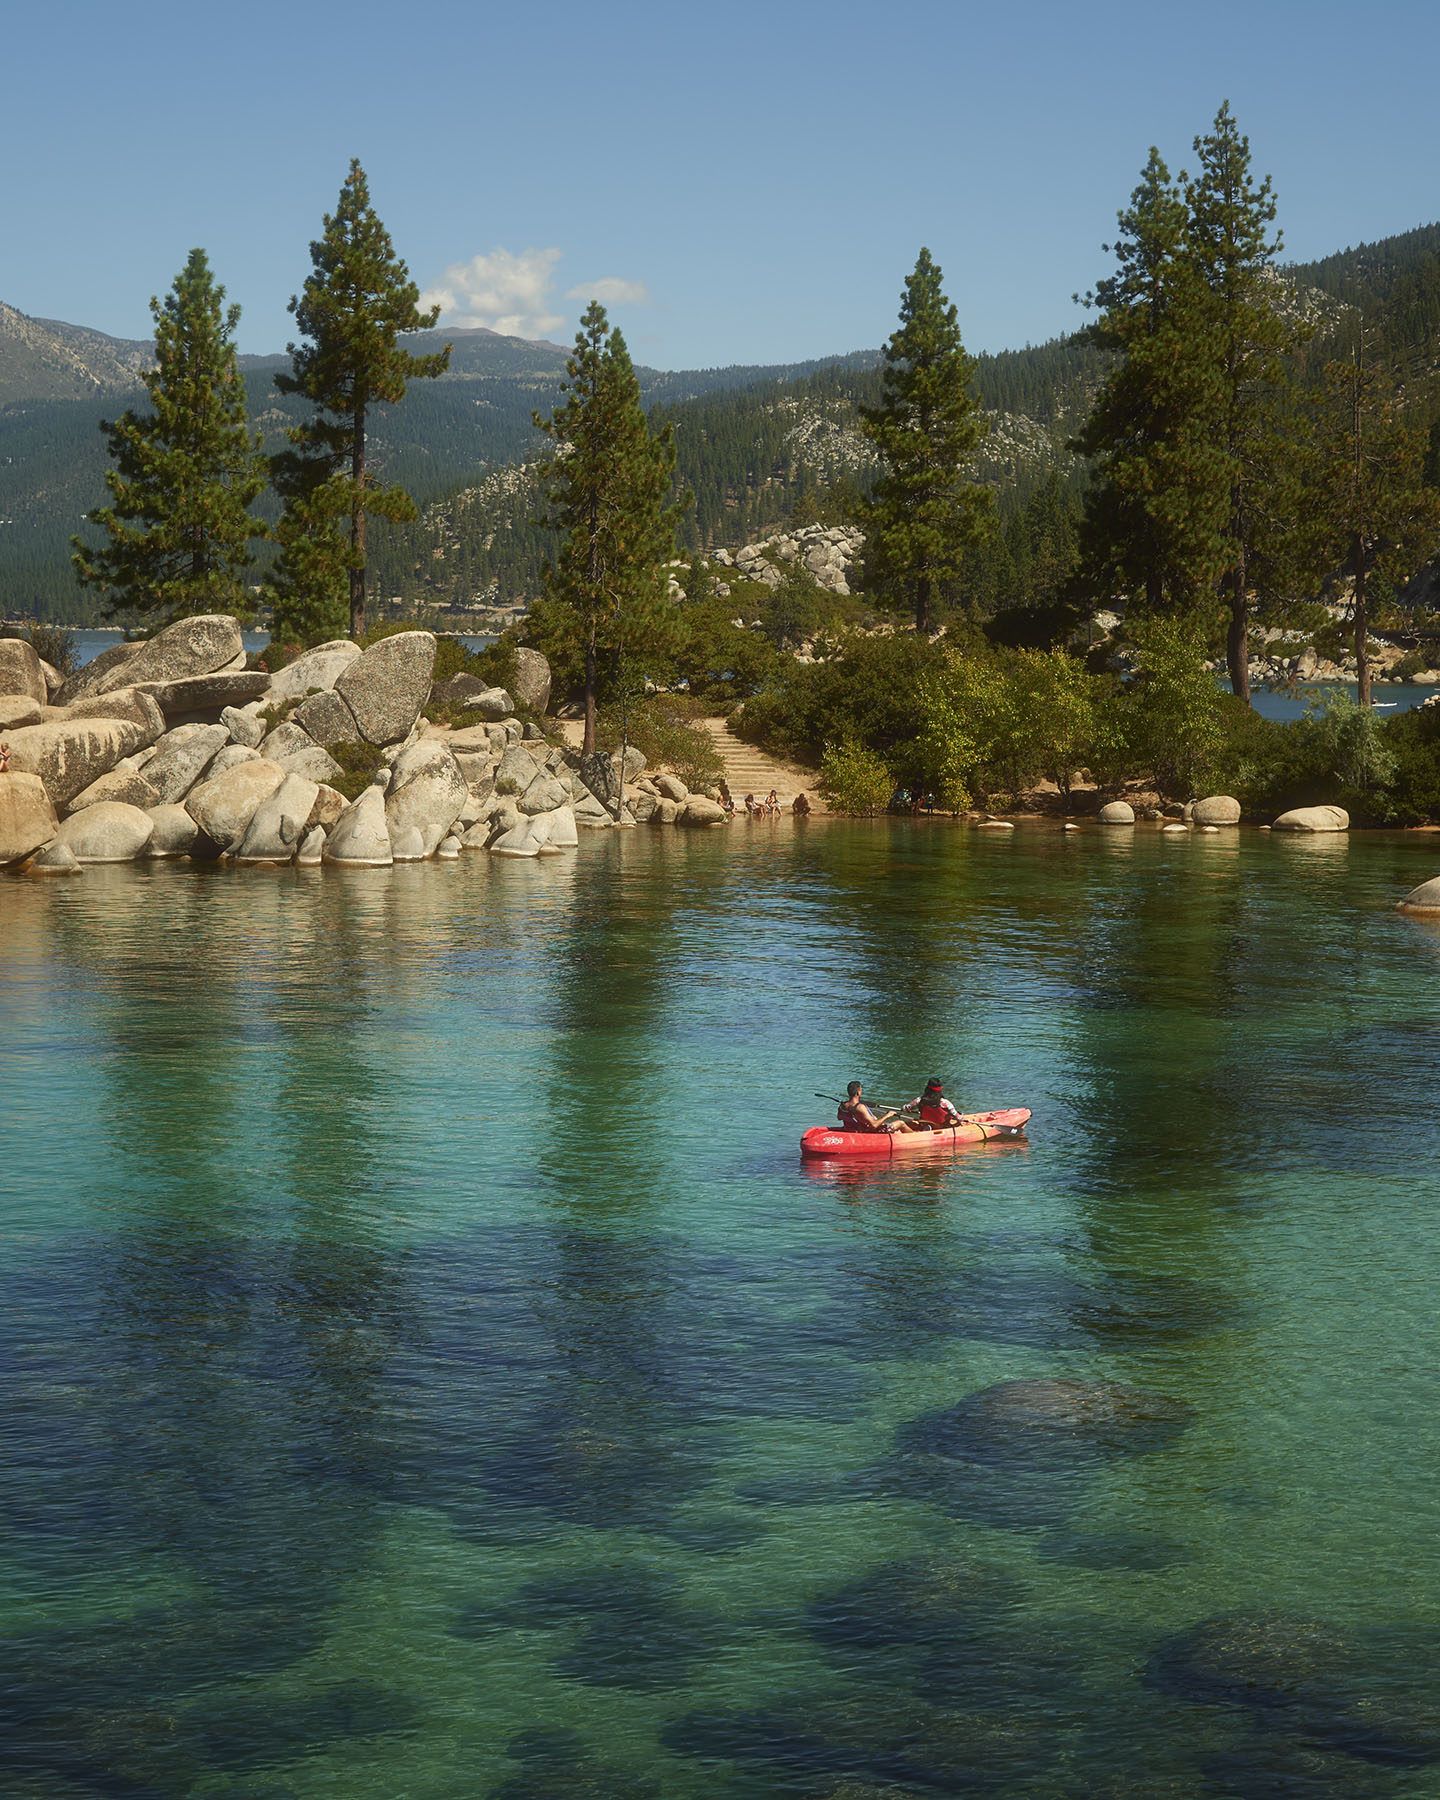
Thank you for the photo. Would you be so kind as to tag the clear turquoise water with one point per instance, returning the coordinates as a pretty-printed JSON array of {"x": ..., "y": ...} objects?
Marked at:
[{"x": 430, "y": 1371}]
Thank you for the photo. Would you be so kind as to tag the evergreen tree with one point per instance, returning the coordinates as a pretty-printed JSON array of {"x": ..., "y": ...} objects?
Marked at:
[
  {"x": 357, "y": 300},
  {"x": 1155, "y": 514},
  {"x": 609, "y": 487},
  {"x": 1248, "y": 344},
  {"x": 1370, "y": 509},
  {"x": 925, "y": 511},
  {"x": 185, "y": 474},
  {"x": 308, "y": 586}
]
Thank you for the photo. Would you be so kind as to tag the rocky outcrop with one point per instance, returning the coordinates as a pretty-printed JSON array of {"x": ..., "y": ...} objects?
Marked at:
[
  {"x": 207, "y": 693},
  {"x": 245, "y": 728},
  {"x": 360, "y": 838},
  {"x": 827, "y": 554},
  {"x": 224, "y": 807},
  {"x": 386, "y": 685},
  {"x": 20, "y": 671},
  {"x": 175, "y": 834},
  {"x": 17, "y": 710},
  {"x": 532, "y": 681},
  {"x": 87, "y": 680},
  {"x": 181, "y": 758},
  {"x": 27, "y": 818},
  {"x": 69, "y": 754},
  {"x": 1424, "y": 899},
  {"x": 1314, "y": 818},
  {"x": 490, "y": 703},
  {"x": 124, "y": 783},
  {"x": 426, "y": 794},
  {"x": 195, "y": 646},
  {"x": 109, "y": 832},
  {"x": 279, "y": 823},
  {"x": 130, "y": 703},
  {"x": 327, "y": 720},
  {"x": 1219, "y": 809},
  {"x": 314, "y": 671}
]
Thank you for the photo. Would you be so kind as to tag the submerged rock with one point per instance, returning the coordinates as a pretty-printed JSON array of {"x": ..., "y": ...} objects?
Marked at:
[
  {"x": 1049, "y": 1419},
  {"x": 1314, "y": 818},
  {"x": 1423, "y": 899}
]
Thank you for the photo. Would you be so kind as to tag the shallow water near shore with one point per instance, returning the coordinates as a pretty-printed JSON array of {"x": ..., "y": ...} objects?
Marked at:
[{"x": 432, "y": 1373}]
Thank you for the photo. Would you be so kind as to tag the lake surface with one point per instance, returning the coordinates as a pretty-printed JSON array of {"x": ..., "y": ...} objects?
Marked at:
[{"x": 430, "y": 1371}]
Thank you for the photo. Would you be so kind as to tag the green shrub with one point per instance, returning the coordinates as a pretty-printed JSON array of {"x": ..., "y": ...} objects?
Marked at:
[
  {"x": 358, "y": 763},
  {"x": 53, "y": 644},
  {"x": 854, "y": 779},
  {"x": 1409, "y": 666},
  {"x": 662, "y": 728}
]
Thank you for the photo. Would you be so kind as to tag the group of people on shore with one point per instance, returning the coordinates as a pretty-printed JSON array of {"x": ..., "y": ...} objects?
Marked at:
[
  {"x": 933, "y": 1111},
  {"x": 769, "y": 808}
]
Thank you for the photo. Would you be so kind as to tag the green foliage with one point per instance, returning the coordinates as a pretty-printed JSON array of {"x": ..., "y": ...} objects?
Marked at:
[
  {"x": 51, "y": 643},
  {"x": 925, "y": 509},
  {"x": 854, "y": 779},
  {"x": 663, "y": 728},
  {"x": 185, "y": 474},
  {"x": 356, "y": 302},
  {"x": 1168, "y": 726},
  {"x": 608, "y": 486},
  {"x": 358, "y": 764},
  {"x": 308, "y": 586},
  {"x": 717, "y": 659}
]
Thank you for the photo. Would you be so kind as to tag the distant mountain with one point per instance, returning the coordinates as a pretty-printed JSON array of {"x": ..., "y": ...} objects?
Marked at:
[{"x": 44, "y": 359}]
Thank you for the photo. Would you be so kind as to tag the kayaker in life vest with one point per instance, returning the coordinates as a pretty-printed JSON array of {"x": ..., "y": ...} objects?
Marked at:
[
  {"x": 935, "y": 1109},
  {"x": 855, "y": 1115}
]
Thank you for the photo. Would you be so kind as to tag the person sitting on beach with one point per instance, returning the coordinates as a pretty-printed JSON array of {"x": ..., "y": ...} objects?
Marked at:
[
  {"x": 855, "y": 1115},
  {"x": 772, "y": 804},
  {"x": 800, "y": 805},
  {"x": 753, "y": 807},
  {"x": 727, "y": 799},
  {"x": 935, "y": 1109}
]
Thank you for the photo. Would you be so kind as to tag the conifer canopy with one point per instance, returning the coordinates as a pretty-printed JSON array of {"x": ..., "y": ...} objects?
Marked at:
[{"x": 185, "y": 474}]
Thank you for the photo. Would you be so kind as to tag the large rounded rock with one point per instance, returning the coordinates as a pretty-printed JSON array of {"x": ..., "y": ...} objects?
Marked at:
[
  {"x": 532, "y": 680},
  {"x": 490, "y": 703},
  {"x": 543, "y": 795},
  {"x": 208, "y": 693},
  {"x": 1314, "y": 818},
  {"x": 327, "y": 719},
  {"x": 20, "y": 671},
  {"x": 110, "y": 832},
  {"x": 314, "y": 672},
  {"x": 224, "y": 807},
  {"x": 672, "y": 788},
  {"x": 386, "y": 685},
  {"x": 17, "y": 710},
  {"x": 54, "y": 859},
  {"x": 1117, "y": 812},
  {"x": 134, "y": 704},
  {"x": 360, "y": 838},
  {"x": 27, "y": 818},
  {"x": 697, "y": 810},
  {"x": 230, "y": 757},
  {"x": 68, "y": 754},
  {"x": 125, "y": 784},
  {"x": 1044, "y": 1420},
  {"x": 297, "y": 753},
  {"x": 516, "y": 771},
  {"x": 181, "y": 758},
  {"x": 563, "y": 834},
  {"x": 279, "y": 823},
  {"x": 427, "y": 791},
  {"x": 1423, "y": 899},
  {"x": 1219, "y": 809},
  {"x": 175, "y": 834},
  {"x": 87, "y": 680},
  {"x": 455, "y": 692},
  {"x": 195, "y": 646}
]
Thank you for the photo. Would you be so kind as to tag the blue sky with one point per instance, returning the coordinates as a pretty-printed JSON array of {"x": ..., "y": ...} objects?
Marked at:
[{"x": 752, "y": 181}]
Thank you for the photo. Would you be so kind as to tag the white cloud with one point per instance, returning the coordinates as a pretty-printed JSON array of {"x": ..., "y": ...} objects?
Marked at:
[
  {"x": 508, "y": 293},
  {"x": 611, "y": 290}
]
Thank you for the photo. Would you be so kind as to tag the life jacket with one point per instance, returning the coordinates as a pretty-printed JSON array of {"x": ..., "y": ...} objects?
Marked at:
[
  {"x": 845, "y": 1113},
  {"x": 932, "y": 1112}
]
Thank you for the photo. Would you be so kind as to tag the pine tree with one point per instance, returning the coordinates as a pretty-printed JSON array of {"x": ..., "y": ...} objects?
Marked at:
[
  {"x": 926, "y": 511},
  {"x": 1248, "y": 345},
  {"x": 1155, "y": 513},
  {"x": 357, "y": 300},
  {"x": 609, "y": 487},
  {"x": 1370, "y": 510},
  {"x": 185, "y": 474},
  {"x": 308, "y": 586}
]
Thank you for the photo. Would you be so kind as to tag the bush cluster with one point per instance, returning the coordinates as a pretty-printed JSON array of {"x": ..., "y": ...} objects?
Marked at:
[{"x": 662, "y": 728}]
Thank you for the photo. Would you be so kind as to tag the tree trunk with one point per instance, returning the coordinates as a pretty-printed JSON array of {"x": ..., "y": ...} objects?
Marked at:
[
  {"x": 357, "y": 528},
  {"x": 587, "y": 743},
  {"x": 1362, "y": 660},
  {"x": 1237, "y": 643},
  {"x": 922, "y": 604}
]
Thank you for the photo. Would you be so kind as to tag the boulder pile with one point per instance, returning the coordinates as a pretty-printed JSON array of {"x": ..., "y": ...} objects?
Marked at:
[
  {"x": 172, "y": 747},
  {"x": 828, "y": 553}
]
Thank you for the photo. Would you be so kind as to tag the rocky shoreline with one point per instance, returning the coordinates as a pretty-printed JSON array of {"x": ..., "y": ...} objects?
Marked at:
[{"x": 175, "y": 748}]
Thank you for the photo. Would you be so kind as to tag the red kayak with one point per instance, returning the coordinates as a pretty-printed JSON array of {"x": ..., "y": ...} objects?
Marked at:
[{"x": 974, "y": 1128}]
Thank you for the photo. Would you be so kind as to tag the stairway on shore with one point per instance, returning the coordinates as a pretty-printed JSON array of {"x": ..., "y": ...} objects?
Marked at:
[{"x": 747, "y": 770}]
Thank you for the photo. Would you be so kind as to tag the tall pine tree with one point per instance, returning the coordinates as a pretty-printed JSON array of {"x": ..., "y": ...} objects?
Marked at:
[
  {"x": 1156, "y": 510},
  {"x": 185, "y": 474},
  {"x": 1370, "y": 511},
  {"x": 1249, "y": 346},
  {"x": 609, "y": 488},
  {"x": 357, "y": 300},
  {"x": 926, "y": 510}
]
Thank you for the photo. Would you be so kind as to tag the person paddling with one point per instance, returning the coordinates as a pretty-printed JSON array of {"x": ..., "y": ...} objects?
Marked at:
[
  {"x": 855, "y": 1115},
  {"x": 935, "y": 1110}
]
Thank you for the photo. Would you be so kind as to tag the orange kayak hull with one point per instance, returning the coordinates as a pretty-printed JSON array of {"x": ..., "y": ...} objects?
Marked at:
[{"x": 974, "y": 1128}]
